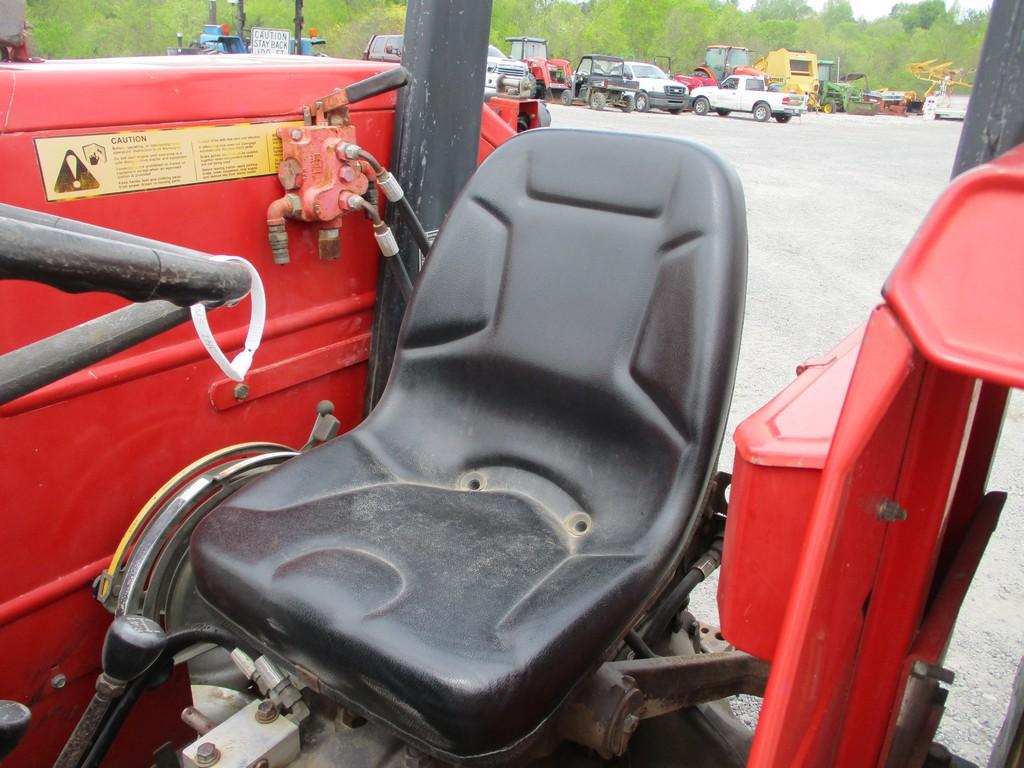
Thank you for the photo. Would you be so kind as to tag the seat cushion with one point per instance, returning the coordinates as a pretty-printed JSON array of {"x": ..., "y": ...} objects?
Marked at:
[{"x": 461, "y": 617}]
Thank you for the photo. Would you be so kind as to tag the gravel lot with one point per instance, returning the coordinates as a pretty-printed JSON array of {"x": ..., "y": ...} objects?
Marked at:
[{"x": 832, "y": 200}]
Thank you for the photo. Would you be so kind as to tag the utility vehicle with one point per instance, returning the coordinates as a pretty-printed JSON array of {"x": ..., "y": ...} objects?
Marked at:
[{"x": 601, "y": 81}]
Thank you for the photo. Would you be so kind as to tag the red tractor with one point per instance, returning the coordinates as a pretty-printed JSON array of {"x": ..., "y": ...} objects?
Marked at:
[
  {"x": 446, "y": 500},
  {"x": 553, "y": 76},
  {"x": 720, "y": 61}
]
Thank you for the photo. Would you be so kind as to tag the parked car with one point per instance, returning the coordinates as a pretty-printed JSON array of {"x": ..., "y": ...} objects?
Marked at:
[
  {"x": 384, "y": 48},
  {"x": 507, "y": 76},
  {"x": 744, "y": 93},
  {"x": 656, "y": 89},
  {"x": 601, "y": 81}
]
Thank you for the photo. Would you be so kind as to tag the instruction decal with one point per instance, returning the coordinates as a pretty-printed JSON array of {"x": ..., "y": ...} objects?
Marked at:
[{"x": 134, "y": 161}]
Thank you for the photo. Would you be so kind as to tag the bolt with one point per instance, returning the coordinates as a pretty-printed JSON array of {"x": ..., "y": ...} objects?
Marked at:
[
  {"x": 59, "y": 680},
  {"x": 266, "y": 712},
  {"x": 891, "y": 511},
  {"x": 207, "y": 754},
  {"x": 296, "y": 134},
  {"x": 241, "y": 391}
]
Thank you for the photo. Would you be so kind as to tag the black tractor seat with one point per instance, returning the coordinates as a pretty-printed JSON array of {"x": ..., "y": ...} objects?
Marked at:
[{"x": 453, "y": 566}]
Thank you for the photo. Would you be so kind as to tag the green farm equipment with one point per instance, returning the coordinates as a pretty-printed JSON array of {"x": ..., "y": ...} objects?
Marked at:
[{"x": 839, "y": 94}]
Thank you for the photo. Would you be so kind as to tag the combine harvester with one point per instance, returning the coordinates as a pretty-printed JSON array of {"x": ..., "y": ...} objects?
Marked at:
[{"x": 422, "y": 502}]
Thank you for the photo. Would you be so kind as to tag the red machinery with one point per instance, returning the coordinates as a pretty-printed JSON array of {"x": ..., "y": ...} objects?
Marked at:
[
  {"x": 553, "y": 76},
  {"x": 720, "y": 61},
  {"x": 857, "y": 515}
]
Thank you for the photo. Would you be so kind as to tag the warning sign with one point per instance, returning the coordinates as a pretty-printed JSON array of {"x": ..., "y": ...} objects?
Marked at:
[
  {"x": 133, "y": 161},
  {"x": 266, "y": 41}
]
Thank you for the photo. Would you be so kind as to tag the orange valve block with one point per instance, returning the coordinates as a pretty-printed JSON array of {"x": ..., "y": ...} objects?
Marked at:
[{"x": 318, "y": 177}]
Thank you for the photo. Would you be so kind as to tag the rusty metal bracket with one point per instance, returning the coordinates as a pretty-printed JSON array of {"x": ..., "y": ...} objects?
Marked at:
[{"x": 609, "y": 706}]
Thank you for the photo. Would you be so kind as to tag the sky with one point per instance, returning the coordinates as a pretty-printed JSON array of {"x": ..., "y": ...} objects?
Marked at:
[{"x": 873, "y": 9}]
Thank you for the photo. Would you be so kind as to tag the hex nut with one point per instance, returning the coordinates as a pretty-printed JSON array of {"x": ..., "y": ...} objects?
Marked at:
[
  {"x": 266, "y": 712},
  {"x": 207, "y": 754}
]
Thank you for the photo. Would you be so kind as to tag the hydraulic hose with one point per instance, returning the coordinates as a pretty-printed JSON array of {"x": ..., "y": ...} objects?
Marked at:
[
  {"x": 636, "y": 644},
  {"x": 673, "y": 603},
  {"x": 387, "y": 244},
  {"x": 176, "y": 642},
  {"x": 395, "y": 195},
  {"x": 414, "y": 224}
]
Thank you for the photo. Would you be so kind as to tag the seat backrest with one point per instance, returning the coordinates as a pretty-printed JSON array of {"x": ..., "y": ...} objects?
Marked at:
[{"x": 579, "y": 318}]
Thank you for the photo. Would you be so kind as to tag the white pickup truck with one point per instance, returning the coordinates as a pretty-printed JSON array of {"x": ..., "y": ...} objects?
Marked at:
[{"x": 745, "y": 93}]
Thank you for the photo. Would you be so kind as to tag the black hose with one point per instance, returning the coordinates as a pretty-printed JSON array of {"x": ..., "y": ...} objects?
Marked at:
[
  {"x": 641, "y": 650},
  {"x": 415, "y": 227},
  {"x": 401, "y": 275},
  {"x": 673, "y": 603},
  {"x": 176, "y": 642}
]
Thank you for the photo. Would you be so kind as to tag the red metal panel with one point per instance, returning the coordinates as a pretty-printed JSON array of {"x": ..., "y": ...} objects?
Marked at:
[
  {"x": 931, "y": 467},
  {"x": 957, "y": 287},
  {"x": 780, "y": 451},
  {"x": 92, "y": 448},
  {"x": 806, "y": 693}
]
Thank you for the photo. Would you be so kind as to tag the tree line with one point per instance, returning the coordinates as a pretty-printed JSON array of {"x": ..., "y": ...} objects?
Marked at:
[{"x": 635, "y": 29}]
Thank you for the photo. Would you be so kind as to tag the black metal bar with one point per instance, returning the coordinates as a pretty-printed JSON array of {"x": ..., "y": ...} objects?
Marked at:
[
  {"x": 45, "y": 361},
  {"x": 437, "y": 140},
  {"x": 388, "y": 80},
  {"x": 75, "y": 263},
  {"x": 674, "y": 682},
  {"x": 73, "y": 225},
  {"x": 995, "y": 115}
]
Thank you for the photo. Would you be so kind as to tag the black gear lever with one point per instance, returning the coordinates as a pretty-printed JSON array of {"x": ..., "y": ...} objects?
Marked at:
[
  {"x": 14, "y": 720},
  {"x": 131, "y": 647}
]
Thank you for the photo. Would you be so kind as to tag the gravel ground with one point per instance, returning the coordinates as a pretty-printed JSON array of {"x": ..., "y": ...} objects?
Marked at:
[{"x": 832, "y": 200}]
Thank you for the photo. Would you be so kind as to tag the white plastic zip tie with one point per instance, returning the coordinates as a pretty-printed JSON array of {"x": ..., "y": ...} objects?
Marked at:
[{"x": 237, "y": 368}]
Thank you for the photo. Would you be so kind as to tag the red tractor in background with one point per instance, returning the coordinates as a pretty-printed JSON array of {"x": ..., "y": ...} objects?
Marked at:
[
  {"x": 448, "y": 500},
  {"x": 720, "y": 61},
  {"x": 553, "y": 76}
]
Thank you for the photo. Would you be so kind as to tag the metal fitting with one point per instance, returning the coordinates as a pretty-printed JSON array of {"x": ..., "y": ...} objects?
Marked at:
[
  {"x": 269, "y": 674},
  {"x": 390, "y": 187},
  {"x": 922, "y": 669},
  {"x": 241, "y": 391},
  {"x": 349, "y": 151},
  {"x": 386, "y": 241},
  {"x": 207, "y": 754},
  {"x": 707, "y": 565},
  {"x": 59, "y": 680},
  {"x": 266, "y": 712},
  {"x": 244, "y": 663},
  {"x": 278, "y": 239}
]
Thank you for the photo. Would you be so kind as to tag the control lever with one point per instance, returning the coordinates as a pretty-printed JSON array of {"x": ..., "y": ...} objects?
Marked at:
[
  {"x": 131, "y": 647},
  {"x": 14, "y": 720},
  {"x": 340, "y": 98},
  {"x": 389, "y": 80}
]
